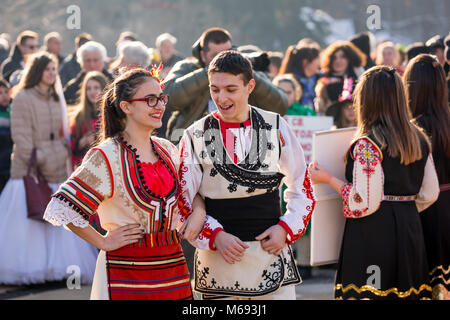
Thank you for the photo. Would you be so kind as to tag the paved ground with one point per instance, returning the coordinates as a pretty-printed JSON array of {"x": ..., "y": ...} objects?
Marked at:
[{"x": 318, "y": 287}]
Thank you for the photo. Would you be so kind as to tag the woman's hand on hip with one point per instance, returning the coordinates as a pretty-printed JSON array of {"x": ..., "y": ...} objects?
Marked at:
[{"x": 122, "y": 236}]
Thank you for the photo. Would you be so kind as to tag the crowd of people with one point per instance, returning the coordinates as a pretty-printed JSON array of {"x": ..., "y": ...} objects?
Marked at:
[{"x": 88, "y": 118}]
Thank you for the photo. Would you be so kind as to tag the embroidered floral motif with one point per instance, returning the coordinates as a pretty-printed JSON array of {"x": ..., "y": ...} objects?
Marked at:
[
  {"x": 198, "y": 133},
  {"x": 281, "y": 272},
  {"x": 232, "y": 187},
  {"x": 251, "y": 189},
  {"x": 97, "y": 161},
  {"x": 213, "y": 172},
  {"x": 345, "y": 203},
  {"x": 206, "y": 232},
  {"x": 308, "y": 190},
  {"x": 368, "y": 156},
  {"x": 357, "y": 198},
  {"x": 185, "y": 208},
  {"x": 345, "y": 193},
  {"x": 366, "y": 177},
  {"x": 244, "y": 173},
  {"x": 270, "y": 280}
]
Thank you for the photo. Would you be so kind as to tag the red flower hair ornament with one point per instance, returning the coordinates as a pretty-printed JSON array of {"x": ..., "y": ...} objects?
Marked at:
[{"x": 155, "y": 71}]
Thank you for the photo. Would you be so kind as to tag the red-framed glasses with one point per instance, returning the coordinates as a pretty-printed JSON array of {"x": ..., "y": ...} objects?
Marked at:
[{"x": 152, "y": 100}]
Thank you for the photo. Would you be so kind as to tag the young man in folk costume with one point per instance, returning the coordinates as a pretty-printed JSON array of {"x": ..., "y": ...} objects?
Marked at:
[{"x": 236, "y": 159}]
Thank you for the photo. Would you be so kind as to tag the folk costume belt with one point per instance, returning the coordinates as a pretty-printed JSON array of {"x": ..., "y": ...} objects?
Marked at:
[
  {"x": 400, "y": 198},
  {"x": 247, "y": 217}
]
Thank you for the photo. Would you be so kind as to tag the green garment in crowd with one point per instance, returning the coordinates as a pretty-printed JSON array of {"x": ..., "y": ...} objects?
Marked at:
[{"x": 297, "y": 109}]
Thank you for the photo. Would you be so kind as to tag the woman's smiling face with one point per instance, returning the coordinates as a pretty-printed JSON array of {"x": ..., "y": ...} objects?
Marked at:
[{"x": 139, "y": 112}]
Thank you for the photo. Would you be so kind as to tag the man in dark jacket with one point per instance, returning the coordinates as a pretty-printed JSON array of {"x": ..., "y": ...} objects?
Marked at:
[
  {"x": 70, "y": 68},
  {"x": 188, "y": 87},
  {"x": 27, "y": 43},
  {"x": 91, "y": 56}
]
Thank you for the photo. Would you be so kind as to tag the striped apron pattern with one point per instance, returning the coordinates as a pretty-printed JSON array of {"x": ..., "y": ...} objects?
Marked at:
[{"x": 152, "y": 269}]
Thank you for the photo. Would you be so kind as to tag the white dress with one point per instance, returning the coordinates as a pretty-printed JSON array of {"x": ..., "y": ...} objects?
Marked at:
[{"x": 36, "y": 252}]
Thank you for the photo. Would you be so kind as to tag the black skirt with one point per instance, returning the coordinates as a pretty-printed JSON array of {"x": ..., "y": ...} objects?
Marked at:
[
  {"x": 436, "y": 229},
  {"x": 383, "y": 256}
]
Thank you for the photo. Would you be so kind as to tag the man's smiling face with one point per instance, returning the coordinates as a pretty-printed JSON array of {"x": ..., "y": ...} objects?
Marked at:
[{"x": 230, "y": 94}]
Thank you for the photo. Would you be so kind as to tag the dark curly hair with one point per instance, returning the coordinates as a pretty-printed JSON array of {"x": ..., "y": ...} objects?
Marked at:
[{"x": 355, "y": 56}]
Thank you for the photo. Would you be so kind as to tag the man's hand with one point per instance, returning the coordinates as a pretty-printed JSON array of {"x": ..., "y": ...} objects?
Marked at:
[
  {"x": 230, "y": 247},
  {"x": 273, "y": 240}
]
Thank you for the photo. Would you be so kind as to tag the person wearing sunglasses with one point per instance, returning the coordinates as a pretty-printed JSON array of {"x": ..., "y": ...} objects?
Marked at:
[
  {"x": 131, "y": 180},
  {"x": 26, "y": 44}
]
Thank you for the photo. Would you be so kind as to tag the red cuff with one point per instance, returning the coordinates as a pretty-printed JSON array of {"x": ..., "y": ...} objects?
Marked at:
[
  {"x": 288, "y": 230},
  {"x": 213, "y": 237}
]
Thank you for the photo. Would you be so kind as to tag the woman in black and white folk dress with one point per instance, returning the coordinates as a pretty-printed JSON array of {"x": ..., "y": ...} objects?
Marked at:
[
  {"x": 391, "y": 178},
  {"x": 428, "y": 101}
]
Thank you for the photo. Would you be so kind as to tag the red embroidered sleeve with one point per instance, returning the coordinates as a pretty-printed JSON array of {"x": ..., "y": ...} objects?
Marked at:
[{"x": 310, "y": 203}]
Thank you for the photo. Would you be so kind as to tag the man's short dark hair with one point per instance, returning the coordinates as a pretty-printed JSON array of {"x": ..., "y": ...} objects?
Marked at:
[
  {"x": 232, "y": 61},
  {"x": 214, "y": 35},
  {"x": 82, "y": 39},
  {"x": 416, "y": 48},
  {"x": 4, "y": 83}
]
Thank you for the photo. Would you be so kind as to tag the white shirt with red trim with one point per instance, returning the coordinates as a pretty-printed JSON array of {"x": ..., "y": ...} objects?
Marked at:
[{"x": 286, "y": 158}]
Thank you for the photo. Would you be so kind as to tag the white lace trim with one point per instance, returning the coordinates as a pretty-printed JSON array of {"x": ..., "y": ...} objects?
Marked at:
[{"x": 60, "y": 213}]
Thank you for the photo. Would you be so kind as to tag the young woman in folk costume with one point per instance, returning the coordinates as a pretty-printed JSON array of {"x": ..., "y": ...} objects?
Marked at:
[
  {"x": 391, "y": 178},
  {"x": 131, "y": 180},
  {"x": 428, "y": 101}
]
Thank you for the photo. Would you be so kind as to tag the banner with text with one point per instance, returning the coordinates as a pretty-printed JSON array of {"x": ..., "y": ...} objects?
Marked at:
[{"x": 304, "y": 127}]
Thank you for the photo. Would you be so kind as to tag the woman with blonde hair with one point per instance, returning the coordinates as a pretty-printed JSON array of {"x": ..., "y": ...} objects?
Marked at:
[
  {"x": 389, "y": 55},
  {"x": 427, "y": 97},
  {"x": 391, "y": 178},
  {"x": 32, "y": 250},
  {"x": 293, "y": 90}
]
